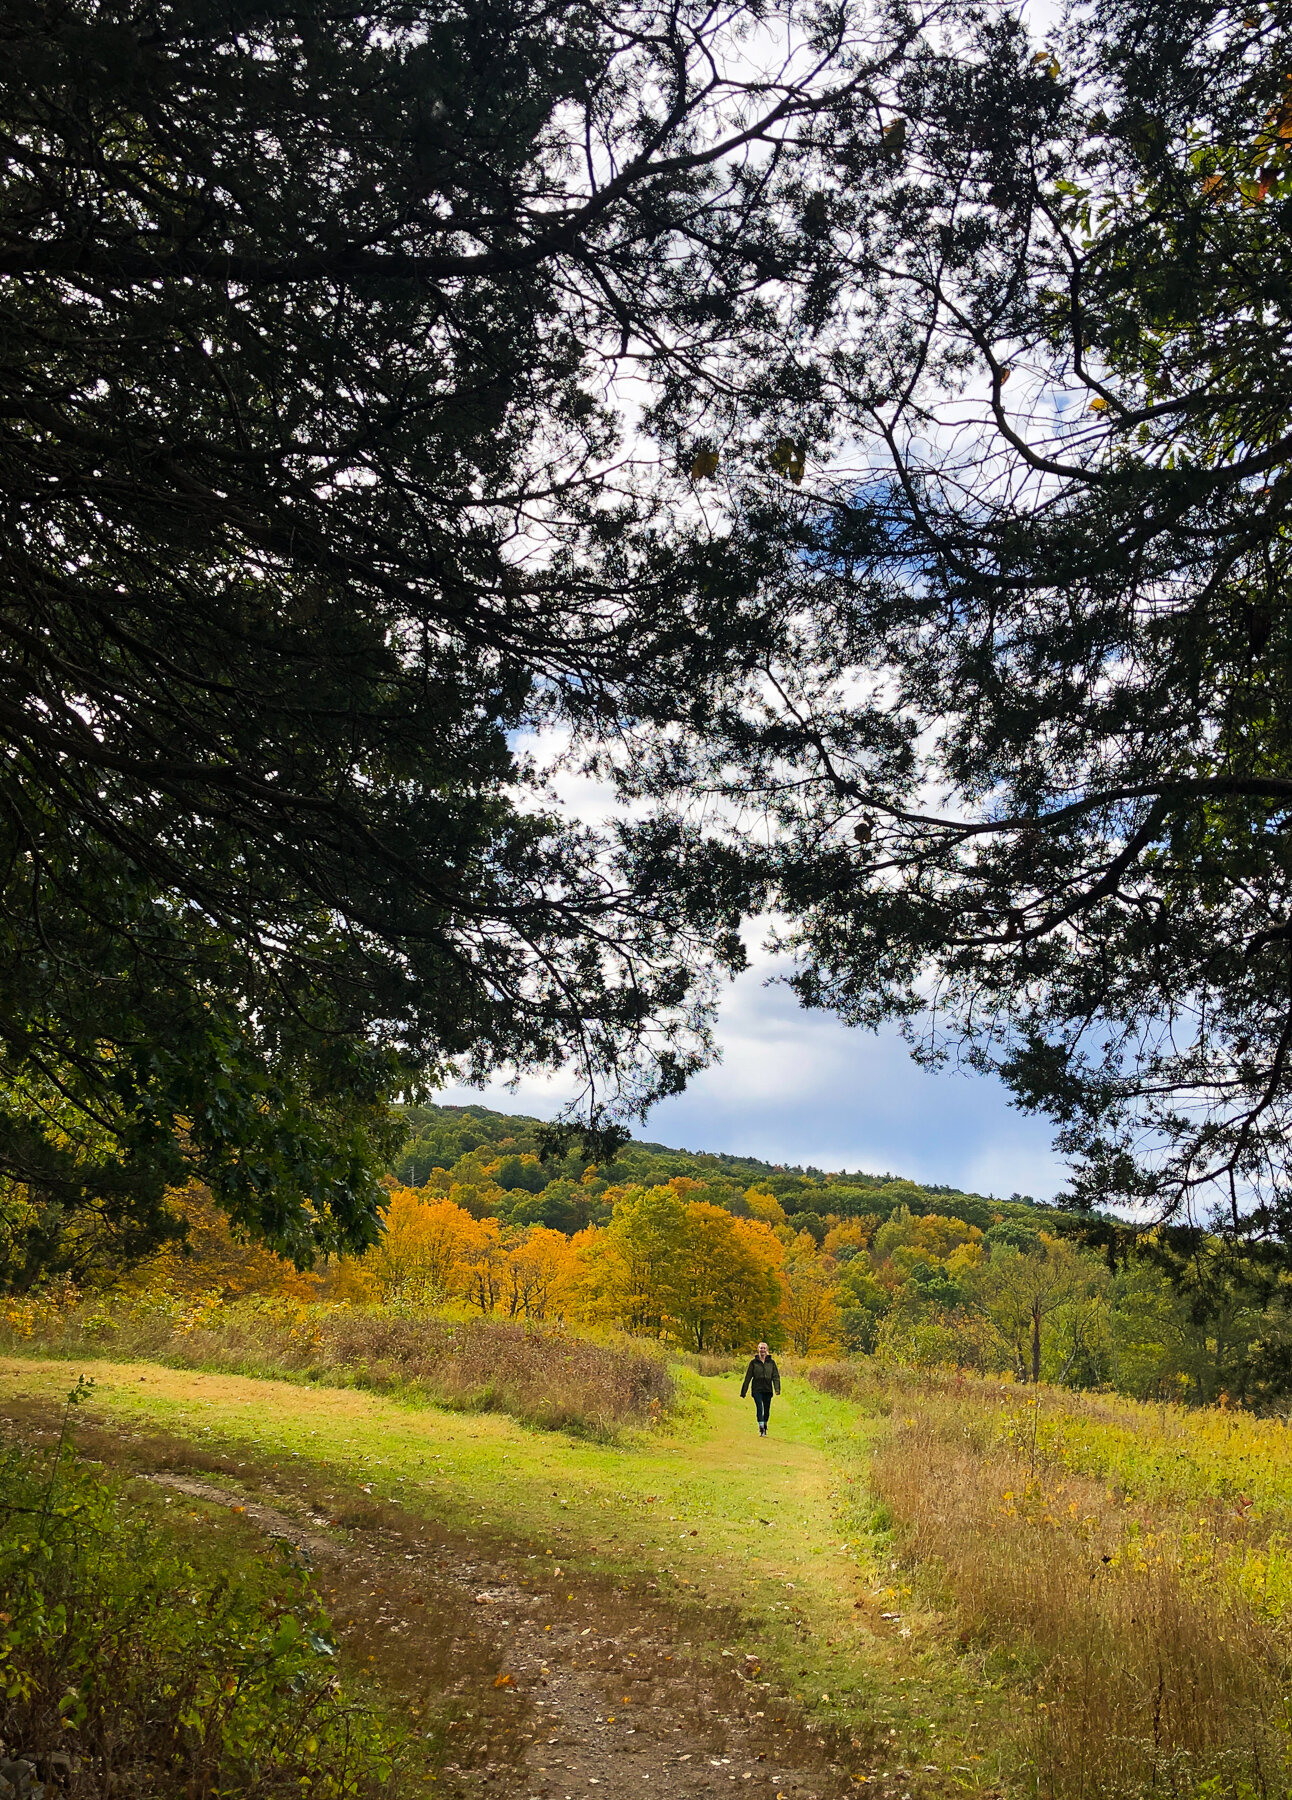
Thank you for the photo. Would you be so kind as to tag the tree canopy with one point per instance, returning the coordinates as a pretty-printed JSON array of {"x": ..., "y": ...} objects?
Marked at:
[
  {"x": 356, "y": 368},
  {"x": 874, "y": 423},
  {"x": 1031, "y": 778}
]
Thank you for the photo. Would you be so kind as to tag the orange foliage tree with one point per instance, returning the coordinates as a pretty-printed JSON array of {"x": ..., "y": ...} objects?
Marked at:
[
  {"x": 420, "y": 1253},
  {"x": 212, "y": 1259},
  {"x": 724, "y": 1290}
]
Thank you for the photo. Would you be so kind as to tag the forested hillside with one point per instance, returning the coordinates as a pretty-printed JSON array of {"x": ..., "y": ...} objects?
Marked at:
[
  {"x": 713, "y": 1251},
  {"x": 507, "y": 1149}
]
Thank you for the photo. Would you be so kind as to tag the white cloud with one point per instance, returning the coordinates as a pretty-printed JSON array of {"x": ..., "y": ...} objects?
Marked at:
[{"x": 798, "y": 1087}]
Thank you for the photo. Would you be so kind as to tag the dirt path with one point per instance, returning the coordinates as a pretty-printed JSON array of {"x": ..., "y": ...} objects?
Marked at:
[
  {"x": 607, "y": 1706},
  {"x": 570, "y": 1621}
]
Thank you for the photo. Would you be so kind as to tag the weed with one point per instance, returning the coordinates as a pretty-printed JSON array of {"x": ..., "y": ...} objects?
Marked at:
[
  {"x": 128, "y": 1666},
  {"x": 1123, "y": 1626}
]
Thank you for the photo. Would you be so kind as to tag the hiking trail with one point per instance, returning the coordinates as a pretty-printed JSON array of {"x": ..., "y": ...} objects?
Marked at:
[{"x": 603, "y": 1620}]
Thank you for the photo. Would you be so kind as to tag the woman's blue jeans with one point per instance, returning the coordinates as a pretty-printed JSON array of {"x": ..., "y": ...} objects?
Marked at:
[{"x": 762, "y": 1406}]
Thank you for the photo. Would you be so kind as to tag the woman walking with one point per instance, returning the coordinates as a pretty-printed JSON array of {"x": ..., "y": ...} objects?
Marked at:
[{"x": 764, "y": 1378}]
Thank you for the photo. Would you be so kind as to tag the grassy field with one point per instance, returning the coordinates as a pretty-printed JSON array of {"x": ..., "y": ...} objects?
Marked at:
[
  {"x": 540, "y": 1374},
  {"x": 959, "y": 1587},
  {"x": 1124, "y": 1569}
]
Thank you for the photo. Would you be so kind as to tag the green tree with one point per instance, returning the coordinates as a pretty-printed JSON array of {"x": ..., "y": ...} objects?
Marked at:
[
  {"x": 318, "y": 503},
  {"x": 1026, "y": 1293},
  {"x": 862, "y": 1301},
  {"x": 636, "y": 1259},
  {"x": 1063, "y": 811}
]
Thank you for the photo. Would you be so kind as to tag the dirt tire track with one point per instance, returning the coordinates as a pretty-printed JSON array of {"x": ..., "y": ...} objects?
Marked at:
[{"x": 611, "y": 1709}]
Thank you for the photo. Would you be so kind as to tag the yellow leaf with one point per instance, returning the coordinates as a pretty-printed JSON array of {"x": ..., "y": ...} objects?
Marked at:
[
  {"x": 1047, "y": 60},
  {"x": 501, "y": 1681},
  {"x": 789, "y": 459},
  {"x": 895, "y": 135},
  {"x": 1099, "y": 405},
  {"x": 704, "y": 464}
]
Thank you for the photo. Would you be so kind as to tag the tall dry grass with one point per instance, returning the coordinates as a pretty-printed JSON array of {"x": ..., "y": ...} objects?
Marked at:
[
  {"x": 538, "y": 1374},
  {"x": 1141, "y": 1665}
]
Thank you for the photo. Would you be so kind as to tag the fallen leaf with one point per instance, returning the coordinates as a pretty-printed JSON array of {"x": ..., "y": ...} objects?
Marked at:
[{"x": 501, "y": 1681}]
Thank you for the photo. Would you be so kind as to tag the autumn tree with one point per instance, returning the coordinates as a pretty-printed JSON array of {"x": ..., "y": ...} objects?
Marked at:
[
  {"x": 631, "y": 1265},
  {"x": 1022, "y": 1291},
  {"x": 484, "y": 1271},
  {"x": 422, "y": 1247},
  {"x": 212, "y": 1258},
  {"x": 541, "y": 1271},
  {"x": 809, "y": 1307},
  {"x": 721, "y": 1292}
]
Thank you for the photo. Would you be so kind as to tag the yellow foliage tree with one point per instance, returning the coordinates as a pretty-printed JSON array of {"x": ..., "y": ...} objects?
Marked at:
[
  {"x": 484, "y": 1266},
  {"x": 723, "y": 1293},
  {"x": 764, "y": 1206},
  {"x": 906, "y": 1239},
  {"x": 628, "y": 1266},
  {"x": 810, "y": 1308},
  {"x": 541, "y": 1272},
  {"x": 213, "y": 1259},
  {"x": 849, "y": 1234},
  {"x": 423, "y": 1247}
]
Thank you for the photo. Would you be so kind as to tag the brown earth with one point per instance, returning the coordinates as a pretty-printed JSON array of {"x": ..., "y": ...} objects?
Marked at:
[{"x": 519, "y": 1689}]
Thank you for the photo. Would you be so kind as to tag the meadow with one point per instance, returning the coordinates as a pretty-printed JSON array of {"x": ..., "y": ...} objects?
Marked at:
[
  {"x": 1126, "y": 1569},
  {"x": 946, "y": 1585},
  {"x": 938, "y": 1577}
]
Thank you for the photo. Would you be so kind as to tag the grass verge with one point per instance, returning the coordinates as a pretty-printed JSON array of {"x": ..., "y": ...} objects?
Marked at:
[
  {"x": 1144, "y": 1655},
  {"x": 539, "y": 1374}
]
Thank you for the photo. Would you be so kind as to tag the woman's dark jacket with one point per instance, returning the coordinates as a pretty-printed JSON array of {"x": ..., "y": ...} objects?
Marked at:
[{"x": 762, "y": 1377}]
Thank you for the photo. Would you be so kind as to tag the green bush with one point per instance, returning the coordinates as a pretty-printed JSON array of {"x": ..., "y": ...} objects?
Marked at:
[{"x": 135, "y": 1662}]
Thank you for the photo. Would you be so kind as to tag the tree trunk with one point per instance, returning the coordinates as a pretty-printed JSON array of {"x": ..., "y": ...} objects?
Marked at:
[{"x": 1036, "y": 1344}]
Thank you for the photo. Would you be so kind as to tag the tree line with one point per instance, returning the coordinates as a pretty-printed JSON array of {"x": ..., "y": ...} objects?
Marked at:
[
  {"x": 905, "y": 1283},
  {"x": 856, "y": 436}
]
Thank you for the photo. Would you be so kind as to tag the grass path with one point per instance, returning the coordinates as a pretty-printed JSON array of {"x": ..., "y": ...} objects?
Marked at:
[{"x": 771, "y": 1536}]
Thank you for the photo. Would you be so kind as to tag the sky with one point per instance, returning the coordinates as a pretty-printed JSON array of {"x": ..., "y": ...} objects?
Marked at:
[{"x": 799, "y": 1087}]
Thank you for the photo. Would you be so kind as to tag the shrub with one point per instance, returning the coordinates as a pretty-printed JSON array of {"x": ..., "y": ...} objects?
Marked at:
[
  {"x": 126, "y": 1669},
  {"x": 539, "y": 1374}
]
